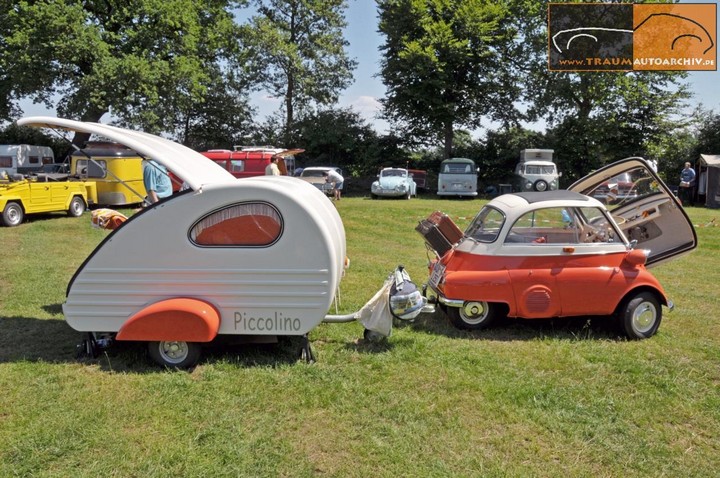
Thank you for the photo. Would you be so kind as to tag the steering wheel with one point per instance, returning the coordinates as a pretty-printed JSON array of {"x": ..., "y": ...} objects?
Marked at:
[{"x": 589, "y": 234}]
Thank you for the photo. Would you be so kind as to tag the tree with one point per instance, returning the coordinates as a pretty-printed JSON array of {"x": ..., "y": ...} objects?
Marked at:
[
  {"x": 338, "y": 137},
  {"x": 14, "y": 134},
  {"x": 443, "y": 66},
  {"x": 300, "y": 52},
  {"x": 130, "y": 59},
  {"x": 594, "y": 117}
]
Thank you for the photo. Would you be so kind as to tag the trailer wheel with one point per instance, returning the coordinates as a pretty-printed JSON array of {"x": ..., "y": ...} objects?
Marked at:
[
  {"x": 77, "y": 207},
  {"x": 13, "y": 214},
  {"x": 475, "y": 315},
  {"x": 175, "y": 354}
]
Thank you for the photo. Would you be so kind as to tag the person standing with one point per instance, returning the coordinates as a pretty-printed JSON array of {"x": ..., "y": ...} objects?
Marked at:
[
  {"x": 334, "y": 178},
  {"x": 156, "y": 181},
  {"x": 687, "y": 184},
  {"x": 272, "y": 169}
]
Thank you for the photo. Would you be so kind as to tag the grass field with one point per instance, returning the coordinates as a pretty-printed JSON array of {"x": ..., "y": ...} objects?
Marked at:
[{"x": 527, "y": 398}]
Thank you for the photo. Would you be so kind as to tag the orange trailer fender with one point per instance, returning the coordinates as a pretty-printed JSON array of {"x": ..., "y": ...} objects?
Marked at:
[{"x": 181, "y": 319}]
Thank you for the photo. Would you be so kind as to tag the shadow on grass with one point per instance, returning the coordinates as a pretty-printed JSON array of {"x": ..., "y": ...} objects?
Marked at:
[
  {"x": 510, "y": 329},
  {"x": 25, "y": 339}
]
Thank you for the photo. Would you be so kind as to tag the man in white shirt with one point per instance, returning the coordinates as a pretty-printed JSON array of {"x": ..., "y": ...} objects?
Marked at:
[
  {"x": 333, "y": 177},
  {"x": 272, "y": 168}
]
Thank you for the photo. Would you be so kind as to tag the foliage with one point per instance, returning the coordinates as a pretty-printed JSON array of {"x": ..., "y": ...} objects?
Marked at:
[
  {"x": 501, "y": 152},
  {"x": 337, "y": 138},
  {"x": 442, "y": 66},
  {"x": 299, "y": 48},
  {"x": 708, "y": 138},
  {"x": 14, "y": 134},
  {"x": 527, "y": 398},
  {"x": 144, "y": 61}
]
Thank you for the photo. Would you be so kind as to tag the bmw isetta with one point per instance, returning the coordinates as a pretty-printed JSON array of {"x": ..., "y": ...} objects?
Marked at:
[{"x": 585, "y": 251}]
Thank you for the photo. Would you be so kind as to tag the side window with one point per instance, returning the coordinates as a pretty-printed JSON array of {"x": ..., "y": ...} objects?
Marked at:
[
  {"x": 34, "y": 159},
  {"x": 486, "y": 225},
  {"x": 237, "y": 166},
  {"x": 90, "y": 169},
  {"x": 554, "y": 225},
  {"x": 252, "y": 224},
  {"x": 6, "y": 161}
]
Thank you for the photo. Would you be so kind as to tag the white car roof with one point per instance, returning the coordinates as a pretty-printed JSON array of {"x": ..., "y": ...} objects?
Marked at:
[
  {"x": 516, "y": 204},
  {"x": 190, "y": 166}
]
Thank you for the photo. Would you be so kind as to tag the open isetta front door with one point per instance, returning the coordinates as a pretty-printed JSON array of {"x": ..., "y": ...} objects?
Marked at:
[{"x": 644, "y": 208}]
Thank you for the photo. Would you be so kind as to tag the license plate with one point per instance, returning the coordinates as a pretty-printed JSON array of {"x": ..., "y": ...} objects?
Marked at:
[{"x": 437, "y": 274}]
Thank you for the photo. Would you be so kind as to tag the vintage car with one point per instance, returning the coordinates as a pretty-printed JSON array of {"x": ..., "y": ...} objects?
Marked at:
[
  {"x": 564, "y": 253},
  {"x": 394, "y": 182},
  {"x": 42, "y": 193},
  {"x": 314, "y": 175}
]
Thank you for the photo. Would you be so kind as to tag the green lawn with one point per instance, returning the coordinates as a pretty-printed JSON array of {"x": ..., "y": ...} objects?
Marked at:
[{"x": 527, "y": 398}]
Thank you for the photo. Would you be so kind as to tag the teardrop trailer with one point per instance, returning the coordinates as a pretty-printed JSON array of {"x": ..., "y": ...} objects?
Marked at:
[{"x": 206, "y": 262}]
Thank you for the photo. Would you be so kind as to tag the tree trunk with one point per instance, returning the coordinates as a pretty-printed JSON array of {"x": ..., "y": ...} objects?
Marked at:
[
  {"x": 289, "y": 118},
  {"x": 448, "y": 137},
  {"x": 93, "y": 115}
]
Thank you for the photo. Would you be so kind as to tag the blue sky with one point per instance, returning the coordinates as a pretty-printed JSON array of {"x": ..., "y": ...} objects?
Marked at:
[{"x": 365, "y": 92}]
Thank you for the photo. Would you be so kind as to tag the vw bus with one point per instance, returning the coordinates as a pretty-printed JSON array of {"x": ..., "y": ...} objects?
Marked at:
[
  {"x": 116, "y": 169},
  {"x": 458, "y": 177}
]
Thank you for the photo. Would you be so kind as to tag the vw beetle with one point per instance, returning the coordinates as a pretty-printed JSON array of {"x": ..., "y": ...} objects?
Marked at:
[
  {"x": 394, "y": 182},
  {"x": 566, "y": 253}
]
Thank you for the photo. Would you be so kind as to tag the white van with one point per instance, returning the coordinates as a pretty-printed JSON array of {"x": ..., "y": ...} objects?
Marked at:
[
  {"x": 536, "y": 171},
  {"x": 24, "y": 158},
  {"x": 457, "y": 177}
]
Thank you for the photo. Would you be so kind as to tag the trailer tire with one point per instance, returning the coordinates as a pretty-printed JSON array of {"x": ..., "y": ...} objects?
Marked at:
[
  {"x": 13, "y": 214},
  {"x": 77, "y": 207},
  {"x": 175, "y": 354}
]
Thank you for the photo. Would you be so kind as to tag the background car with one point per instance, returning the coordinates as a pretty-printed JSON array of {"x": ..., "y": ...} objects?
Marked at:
[
  {"x": 394, "y": 182},
  {"x": 314, "y": 175},
  {"x": 563, "y": 253}
]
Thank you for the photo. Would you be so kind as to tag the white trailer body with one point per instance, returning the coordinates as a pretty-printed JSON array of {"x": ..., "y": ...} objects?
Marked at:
[{"x": 257, "y": 256}]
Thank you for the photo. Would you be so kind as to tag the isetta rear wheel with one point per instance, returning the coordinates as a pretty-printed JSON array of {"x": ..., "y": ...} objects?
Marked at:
[
  {"x": 641, "y": 315},
  {"x": 175, "y": 354},
  {"x": 475, "y": 315},
  {"x": 77, "y": 207}
]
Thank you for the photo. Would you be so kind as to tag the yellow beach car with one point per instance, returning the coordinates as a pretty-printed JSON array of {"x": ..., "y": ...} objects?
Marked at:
[{"x": 43, "y": 193}]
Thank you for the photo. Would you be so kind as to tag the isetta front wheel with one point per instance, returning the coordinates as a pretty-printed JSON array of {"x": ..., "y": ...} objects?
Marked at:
[
  {"x": 641, "y": 315},
  {"x": 475, "y": 315},
  {"x": 175, "y": 354}
]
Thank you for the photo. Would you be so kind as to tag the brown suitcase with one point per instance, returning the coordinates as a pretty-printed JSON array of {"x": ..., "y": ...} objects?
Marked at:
[
  {"x": 446, "y": 226},
  {"x": 433, "y": 237}
]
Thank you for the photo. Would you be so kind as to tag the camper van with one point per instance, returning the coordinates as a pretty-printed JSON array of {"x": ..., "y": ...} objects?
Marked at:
[
  {"x": 536, "y": 171},
  {"x": 249, "y": 161},
  {"x": 458, "y": 177},
  {"x": 24, "y": 158},
  {"x": 116, "y": 169}
]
